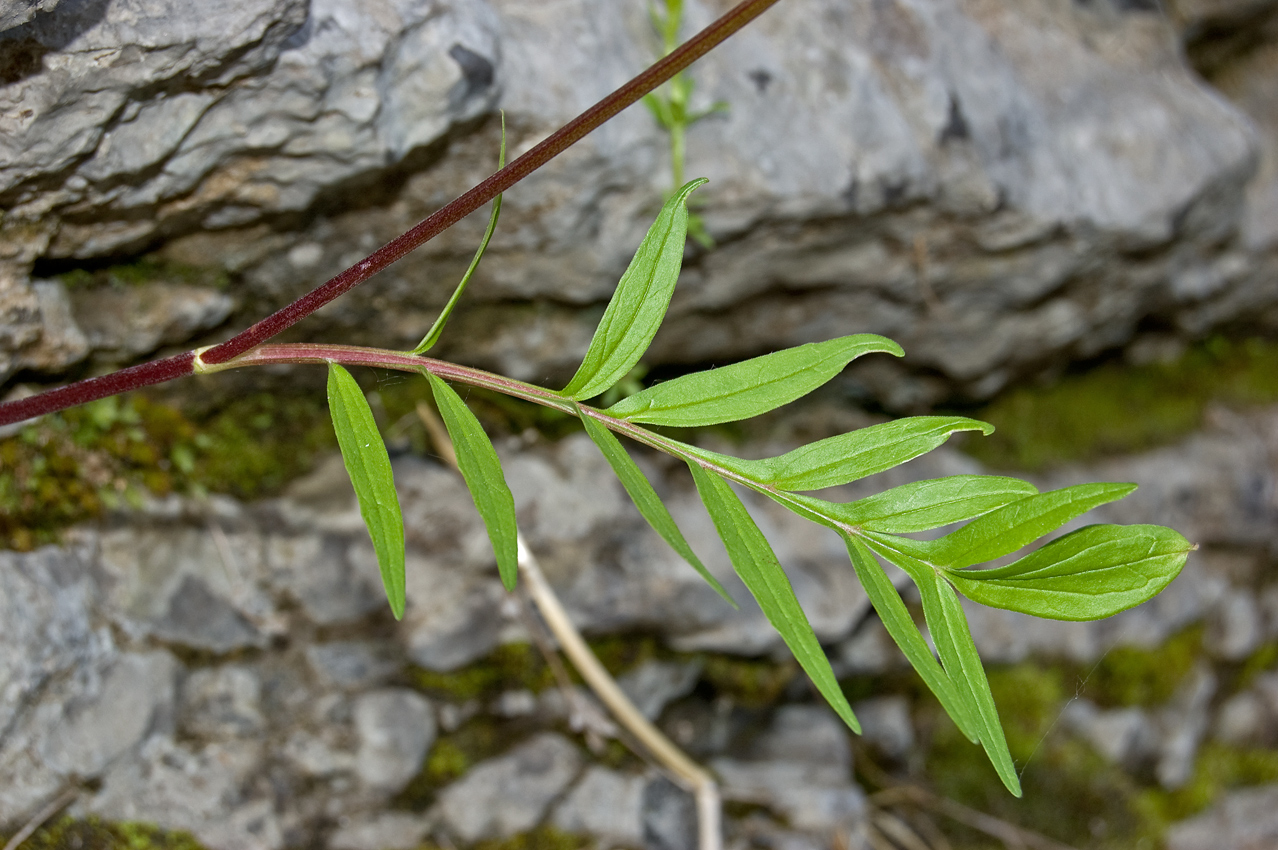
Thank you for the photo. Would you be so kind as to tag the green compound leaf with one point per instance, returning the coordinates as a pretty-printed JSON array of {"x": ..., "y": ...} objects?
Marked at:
[
  {"x": 432, "y": 336},
  {"x": 847, "y": 457},
  {"x": 749, "y": 388},
  {"x": 639, "y": 303},
  {"x": 757, "y": 565},
  {"x": 896, "y": 619},
  {"x": 1088, "y": 574},
  {"x": 481, "y": 469},
  {"x": 924, "y": 505},
  {"x": 1020, "y": 523},
  {"x": 647, "y": 500},
  {"x": 368, "y": 465}
]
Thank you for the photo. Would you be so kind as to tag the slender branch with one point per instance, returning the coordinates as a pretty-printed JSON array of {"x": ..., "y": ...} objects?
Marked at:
[
  {"x": 665, "y": 751},
  {"x": 160, "y": 371}
]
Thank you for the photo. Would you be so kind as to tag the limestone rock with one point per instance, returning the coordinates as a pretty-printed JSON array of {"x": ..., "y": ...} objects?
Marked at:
[
  {"x": 122, "y": 324},
  {"x": 1246, "y": 819},
  {"x": 201, "y": 790},
  {"x": 607, "y": 804},
  {"x": 386, "y": 831},
  {"x": 510, "y": 793},
  {"x": 396, "y": 729},
  {"x": 996, "y": 185}
]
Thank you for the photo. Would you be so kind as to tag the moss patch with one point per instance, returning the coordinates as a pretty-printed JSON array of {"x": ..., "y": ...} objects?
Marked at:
[
  {"x": 750, "y": 682},
  {"x": 452, "y": 756},
  {"x": 1071, "y": 793},
  {"x": 1129, "y": 676},
  {"x": 71, "y": 466},
  {"x": 94, "y": 834},
  {"x": 143, "y": 271},
  {"x": 1218, "y": 769},
  {"x": 542, "y": 838},
  {"x": 510, "y": 667},
  {"x": 1116, "y": 408}
]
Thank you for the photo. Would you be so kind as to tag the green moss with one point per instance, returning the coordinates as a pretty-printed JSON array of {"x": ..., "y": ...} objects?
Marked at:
[
  {"x": 510, "y": 667},
  {"x": 451, "y": 756},
  {"x": 751, "y": 682},
  {"x": 619, "y": 653},
  {"x": 1115, "y": 408},
  {"x": 94, "y": 834},
  {"x": 1262, "y": 660},
  {"x": 143, "y": 271},
  {"x": 71, "y": 466},
  {"x": 541, "y": 838},
  {"x": 1218, "y": 769},
  {"x": 1129, "y": 675},
  {"x": 1071, "y": 793}
]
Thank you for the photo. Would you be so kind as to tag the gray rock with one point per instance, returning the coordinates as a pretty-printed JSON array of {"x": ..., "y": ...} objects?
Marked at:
[
  {"x": 396, "y": 729},
  {"x": 52, "y": 654},
  {"x": 886, "y": 724},
  {"x": 998, "y": 186},
  {"x": 1183, "y": 725},
  {"x": 510, "y": 793},
  {"x": 605, "y": 804},
  {"x": 655, "y": 684},
  {"x": 1242, "y": 720},
  {"x": 810, "y": 734},
  {"x": 123, "y": 323},
  {"x": 334, "y": 578},
  {"x": 351, "y": 664},
  {"x": 810, "y": 797},
  {"x": 1125, "y": 736},
  {"x": 179, "y": 586},
  {"x": 18, "y": 12},
  {"x": 669, "y": 817},
  {"x": 134, "y": 697},
  {"x": 1236, "y": 628},
  {"x": 870, "y": 651},
  {"x": 200, "y": 790},
  {"x": 62, "y": 341},
  {"x": 222, "y": 702},
  {"x": 385, "y": 831},
  {"x": 800, "y": 767},
  {"x": 1246, "y": 819}
]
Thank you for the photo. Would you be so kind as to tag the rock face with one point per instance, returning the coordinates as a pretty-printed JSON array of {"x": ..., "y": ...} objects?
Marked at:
[
  {"x": 230, "y": 669},
  {"x": 998, "y": 186}
]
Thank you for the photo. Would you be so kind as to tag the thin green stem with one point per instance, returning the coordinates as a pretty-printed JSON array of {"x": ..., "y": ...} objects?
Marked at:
[{"x": 351, "y": 355}]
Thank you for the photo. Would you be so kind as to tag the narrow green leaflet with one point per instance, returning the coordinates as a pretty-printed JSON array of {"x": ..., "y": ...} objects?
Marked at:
[
  {"x": 639, "y": 303},
  {"x": 1086, "y": 575},
  {"x": 749, "y": 388},
  {"x": 477, "y": 460},
  {"x": 896, "y": 619},
  {"x": 757, "y": 565},
  {"x": 432, "y": 336},
  {"x": 847, "y": 457},
  {"x": 947, "y": 624},
  {"x": 647, "y": 500},
  {"x": 923, "y": 505},
  {"x": 368, "y": 465},
  {"x": 1020, "y": 523}
]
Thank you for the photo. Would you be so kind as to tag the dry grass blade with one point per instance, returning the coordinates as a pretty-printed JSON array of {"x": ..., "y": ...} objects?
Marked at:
[{"x": 38, "y": 820}]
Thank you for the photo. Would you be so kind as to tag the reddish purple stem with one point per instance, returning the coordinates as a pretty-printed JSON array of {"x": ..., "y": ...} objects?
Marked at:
[{"x": 159, "y": 371}]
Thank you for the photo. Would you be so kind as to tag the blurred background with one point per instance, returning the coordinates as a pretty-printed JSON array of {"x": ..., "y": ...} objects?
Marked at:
[{"x": 1066, "y": 211}]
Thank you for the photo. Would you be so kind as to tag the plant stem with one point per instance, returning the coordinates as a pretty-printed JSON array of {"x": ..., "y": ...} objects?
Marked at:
[
  {"x": 351, "y": 355},
  {"x": 690, "y": 774},
  {"x": 159, "y": 371}
]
